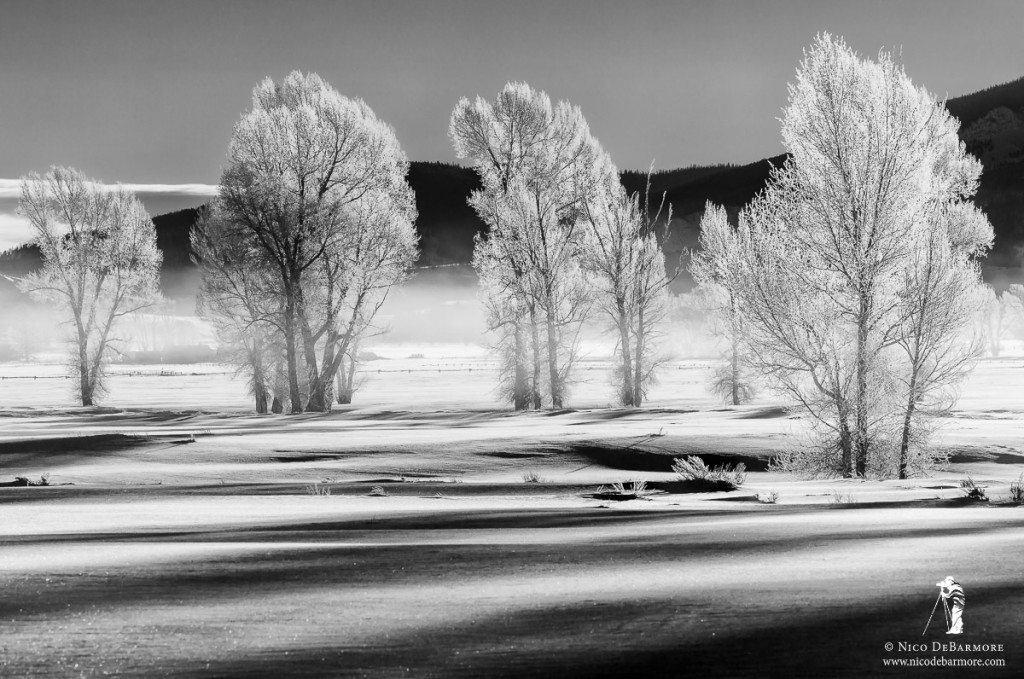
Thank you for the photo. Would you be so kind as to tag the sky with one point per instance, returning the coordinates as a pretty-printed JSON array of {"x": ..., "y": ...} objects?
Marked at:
[{"x": 147, "y": 92}]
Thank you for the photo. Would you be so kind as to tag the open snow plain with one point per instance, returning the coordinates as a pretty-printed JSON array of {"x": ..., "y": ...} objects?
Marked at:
[{"x": 183, "y": 536}]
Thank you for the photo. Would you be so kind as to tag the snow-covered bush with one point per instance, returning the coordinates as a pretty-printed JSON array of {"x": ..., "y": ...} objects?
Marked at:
[{"x": 722, "y": 477}]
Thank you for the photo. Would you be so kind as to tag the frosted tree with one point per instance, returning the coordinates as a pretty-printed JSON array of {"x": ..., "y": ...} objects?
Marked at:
[
  {"x": 1011, "y": 303},
  {"x": 511, "y": 317},
  {"x": 298, "y": 159},
  {"x": 940, "y": 301},
  {"x": 871, "y": 155},
  {"x": 537, "y": 162},
  {"x": 718, "y": 298},
  {"x": 100, "y": 262},
  {"x": 624, "y": 257},
  {"x": 997, "y": 310},
  {"x": 240, "y": 297},
  {"x": 373, "y": 252},
  {"x": 1002, "y": 316}
]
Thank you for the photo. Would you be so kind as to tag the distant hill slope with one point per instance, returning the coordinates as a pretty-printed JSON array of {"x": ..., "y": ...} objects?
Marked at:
[{"x": 992, "y": 127}]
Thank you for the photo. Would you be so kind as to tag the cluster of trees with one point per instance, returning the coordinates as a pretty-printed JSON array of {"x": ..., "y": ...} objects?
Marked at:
[
  {"x": 312, "y": 227},
  {"x": 851, "y": 282},
  {"x": 564, "y": 239}
]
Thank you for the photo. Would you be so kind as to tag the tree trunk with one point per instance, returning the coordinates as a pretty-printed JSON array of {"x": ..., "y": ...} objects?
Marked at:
[
  {"x": 909, "y": 416},
  {"x": 905, "y": 438},
  {"x": 346, "y": 379},
  {"x": 291, "y": 355},
  {"x": 319, "y": 400},
  {"x": 626, "y": 387},
  {"x": 319, "y": 381},
  {"x": 556, "y": 381},
  {"x": 846, "y": 446},
  {"x": 86, "y": 387},
  {"x": 735, "y": 373},
  {"x": 520, "y": 380},
  {"x": 861, "y": 406},
  {"x": 638, "y": 359},
  {"x": 277, "y": 407},
  {"x": 259, "y": 389},
  {"x": 261, "y": 401},
  {"x": 535, "y": 387}
]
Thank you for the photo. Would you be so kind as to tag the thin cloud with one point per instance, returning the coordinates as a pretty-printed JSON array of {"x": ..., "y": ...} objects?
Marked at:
[{"x": 11, "y": 188}]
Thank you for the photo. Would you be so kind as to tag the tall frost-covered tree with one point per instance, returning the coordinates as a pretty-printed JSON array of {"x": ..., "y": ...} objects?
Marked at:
[
  {"x": 624, "y": 258},
  {"x": 823, "y": 249},
  {"x": 302, "y": 163},
  {"x": 100, "y": 262},
  {"x": 537, "y": 162},
  {"x": 942, "y": 297},
  {"x": 719, "y": 298}
]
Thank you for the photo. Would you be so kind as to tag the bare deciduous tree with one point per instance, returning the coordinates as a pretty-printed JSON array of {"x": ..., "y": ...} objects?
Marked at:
[
  {"x": 718, "y": 297},
  {"x": 304, "y": 165},
  {"x": 822, "y": 251},
  {"x": 941, "y": 296},
  {"x": 537, "y": 162},
  {"x": 100, "y": 262},
  {"x": 240, "y": 298},
  {"x": 623, "y": 254}
]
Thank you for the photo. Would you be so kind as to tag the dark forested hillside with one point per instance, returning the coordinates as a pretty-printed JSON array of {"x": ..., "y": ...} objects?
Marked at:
[{"x": 992, "y": 127}]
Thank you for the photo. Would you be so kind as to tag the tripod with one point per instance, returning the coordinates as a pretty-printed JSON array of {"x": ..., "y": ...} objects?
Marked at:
[{"x": 945, "y": 609}]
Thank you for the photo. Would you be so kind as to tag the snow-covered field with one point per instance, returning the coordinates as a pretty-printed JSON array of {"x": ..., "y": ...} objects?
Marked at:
[{"x": 182, "y": 534}]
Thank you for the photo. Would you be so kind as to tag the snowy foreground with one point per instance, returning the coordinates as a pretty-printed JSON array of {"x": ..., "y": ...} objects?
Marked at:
[{"x": 182, "y": 535}]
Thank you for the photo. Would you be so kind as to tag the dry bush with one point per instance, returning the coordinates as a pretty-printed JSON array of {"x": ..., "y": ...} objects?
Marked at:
[
  {"x": 972, "y": 490},
  {"x": 769, "y": 498},
  {"x": 634, "y": 487},
  {"x": 722, "y": 477},
  {"x": 838, "y": 498},
  {"x": 1017, "y": 491}
]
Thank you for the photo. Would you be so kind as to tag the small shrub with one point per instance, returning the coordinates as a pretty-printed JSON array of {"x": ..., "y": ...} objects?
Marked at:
[
  {"x": 838, "y": 498},
  {"x": 532, "y": 477},
  {"x": 634, "y": 487},
  {"x": 318, "y": 489},
  {"x": 769, "y": 498},
  {"x": 722, "y": 477},
  {"x": 972, "y": 490},
  {"x": 629, "y": 490},
  {"x": 1017, "y": 490},
  {"x": 378, "y": 491}
]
